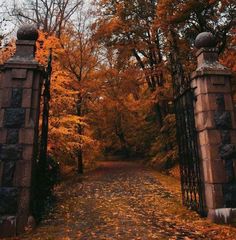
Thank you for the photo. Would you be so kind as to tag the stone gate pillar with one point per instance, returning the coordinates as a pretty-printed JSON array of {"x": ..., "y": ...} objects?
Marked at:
[
  {"x": 216, "y": 129},
  {"x": 20, "y": 88}
]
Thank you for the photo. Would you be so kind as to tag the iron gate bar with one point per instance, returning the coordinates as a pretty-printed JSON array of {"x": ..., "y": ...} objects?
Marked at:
[
  {"x": 45, "y": 115},
  {"x": 42, "y": 187},
  {"x": 190, "y": 169}
]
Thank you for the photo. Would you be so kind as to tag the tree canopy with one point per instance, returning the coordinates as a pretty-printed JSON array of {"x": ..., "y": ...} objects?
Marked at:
[{"x": 116, "y": 66}]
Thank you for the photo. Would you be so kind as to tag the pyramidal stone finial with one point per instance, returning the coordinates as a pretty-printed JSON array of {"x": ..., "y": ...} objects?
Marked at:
[
  {"x": 205, "y": 40},
  {"x": 27, "y": 32}
]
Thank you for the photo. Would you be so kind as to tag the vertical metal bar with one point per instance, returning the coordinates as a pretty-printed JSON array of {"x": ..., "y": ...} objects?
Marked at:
[
  {"x": 178, "y": 115},
  {"x": 195, "y": 151},
  {"x": 192, "y": 190},
  {"x": 45, "y": 116}
]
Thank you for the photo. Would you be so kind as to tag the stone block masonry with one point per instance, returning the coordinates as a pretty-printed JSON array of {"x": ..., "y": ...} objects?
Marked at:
[
  {"x": 20, "y": 88},
  {"x": 216, "y": 125}
]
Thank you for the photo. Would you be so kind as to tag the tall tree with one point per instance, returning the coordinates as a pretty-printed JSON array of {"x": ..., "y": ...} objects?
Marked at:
[
  {"x": 182, "y": 21},
  {"x": 129, "y": 27},
  {"x": 119, "y": 113},
  {"x": 6, "y": 25},
  {"x": 79, "y": 59},
  {"x": 67, "y": 21},
  {"x": 50, "y": 16}
]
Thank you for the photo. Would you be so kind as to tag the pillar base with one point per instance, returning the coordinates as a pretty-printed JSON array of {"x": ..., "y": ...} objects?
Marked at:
[
  {"x": 7, "y": 226},
  {"x": 222, "y": 215}
]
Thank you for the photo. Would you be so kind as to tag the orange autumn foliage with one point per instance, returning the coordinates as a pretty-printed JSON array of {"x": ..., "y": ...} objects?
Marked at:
[
  {"x": 64, "y": 140},
  {"x": 7, "y": 51},
  {"x": 112, "y": 79}
]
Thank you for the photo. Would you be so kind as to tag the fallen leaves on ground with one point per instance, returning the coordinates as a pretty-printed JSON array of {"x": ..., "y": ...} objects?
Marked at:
[{"x": 124, "y": 200}]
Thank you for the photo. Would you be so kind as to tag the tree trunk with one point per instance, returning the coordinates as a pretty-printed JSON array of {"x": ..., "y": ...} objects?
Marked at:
[
  {"x": 80, "y": 165},
  {"x": 120, "y": 134},
  {"x": 177, "y": 70},
  {"x": 124, "y": 144}
]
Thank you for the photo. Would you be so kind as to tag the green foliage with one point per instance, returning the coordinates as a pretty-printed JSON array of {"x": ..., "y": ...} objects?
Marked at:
[{"x": 164, "y": 153}]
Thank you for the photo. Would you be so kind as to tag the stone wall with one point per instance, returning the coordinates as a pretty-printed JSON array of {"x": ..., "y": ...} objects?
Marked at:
[
  {"x": 20, "y": 89},
  {"x": 216, "y": 128}
]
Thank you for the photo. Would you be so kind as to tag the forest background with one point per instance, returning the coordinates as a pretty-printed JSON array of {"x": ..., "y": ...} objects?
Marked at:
[{"x": 116, "y": 68}]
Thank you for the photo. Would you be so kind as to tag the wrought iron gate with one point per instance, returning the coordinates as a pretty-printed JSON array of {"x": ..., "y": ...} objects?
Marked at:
[
  {"x": 192, "y": 187},
  {"x": 42, "y": 184},
  {"x": 45, "y": 115}
]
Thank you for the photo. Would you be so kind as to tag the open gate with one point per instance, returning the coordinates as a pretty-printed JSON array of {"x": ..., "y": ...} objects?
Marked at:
[
  {"x": 190, "y": 169},
  {"x": 45, "y": 114},
  {"x": 41, "y": 183}
]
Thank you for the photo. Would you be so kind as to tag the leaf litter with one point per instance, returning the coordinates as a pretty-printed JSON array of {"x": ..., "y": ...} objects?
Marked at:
[{"x": 124, "y": 201}]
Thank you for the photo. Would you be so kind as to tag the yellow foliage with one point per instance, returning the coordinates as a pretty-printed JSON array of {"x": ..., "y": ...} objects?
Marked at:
[
  {"x": 64, "y": 138},
  {"x": 7, "y": 51}
]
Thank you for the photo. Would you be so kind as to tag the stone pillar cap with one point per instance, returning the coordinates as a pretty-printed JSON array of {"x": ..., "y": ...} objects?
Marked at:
[
  {"x": 27, "y": 32},
  {"x": 205, "y": 40}
]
